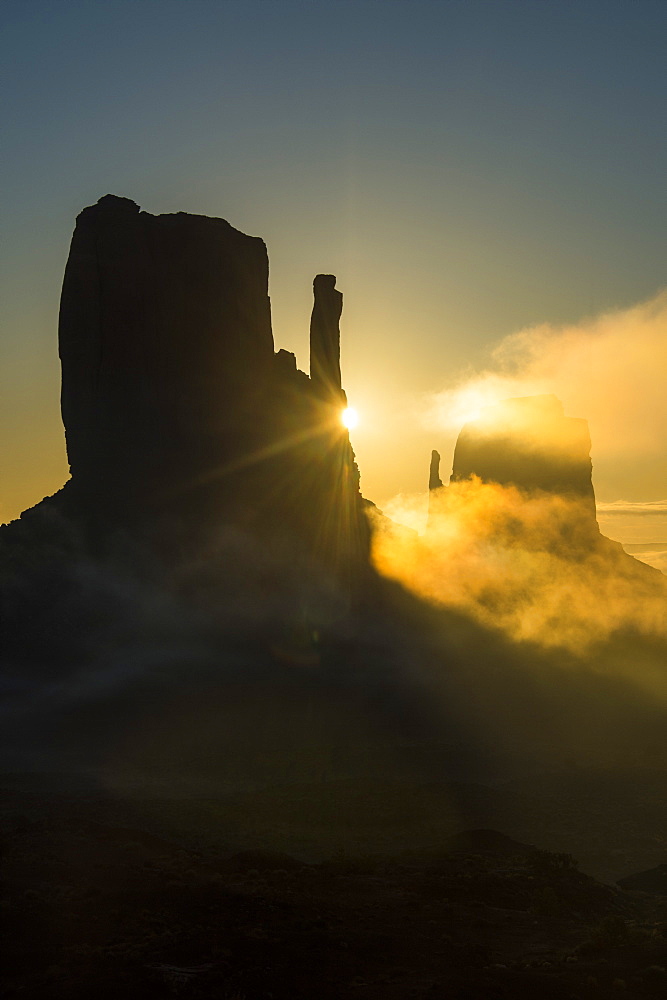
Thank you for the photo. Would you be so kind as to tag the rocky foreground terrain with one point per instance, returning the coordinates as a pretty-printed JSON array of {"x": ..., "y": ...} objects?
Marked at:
[{"x": 94, "y": 907}]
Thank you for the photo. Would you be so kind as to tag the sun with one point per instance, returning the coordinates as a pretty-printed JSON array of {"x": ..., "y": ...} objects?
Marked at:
[{"x": 349, "y": 418}]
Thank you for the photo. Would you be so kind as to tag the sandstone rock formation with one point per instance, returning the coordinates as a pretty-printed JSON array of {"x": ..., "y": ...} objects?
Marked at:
[
  {"x": 325, "y": 339},
  {"x": 434, "y": 480},
  {"x": 166, "y": 348},
  {"x": 435, "y": 486},
  {"x": 528, "y": 443},
  {"x": 174, "y": 403}
]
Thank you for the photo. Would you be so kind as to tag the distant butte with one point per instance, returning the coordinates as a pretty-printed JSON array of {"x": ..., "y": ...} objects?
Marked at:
[{"x": 529, "y": 443}]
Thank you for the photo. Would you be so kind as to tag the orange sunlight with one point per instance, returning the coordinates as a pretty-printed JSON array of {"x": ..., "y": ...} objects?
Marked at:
[{"x": 349, "y": 418}]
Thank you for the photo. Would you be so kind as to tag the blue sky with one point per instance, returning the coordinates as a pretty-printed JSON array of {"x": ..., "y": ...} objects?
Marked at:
[{"x": 467, "y": 169}]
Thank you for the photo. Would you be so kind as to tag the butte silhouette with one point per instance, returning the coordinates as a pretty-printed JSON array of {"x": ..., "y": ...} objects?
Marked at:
[{"x": 179, "y": 415}]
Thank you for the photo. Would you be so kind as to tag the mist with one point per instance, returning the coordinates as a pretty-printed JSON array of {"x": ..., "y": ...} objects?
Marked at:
[
  {"x": 608, "y": 369},
  {"x": 531, "y": 566}
]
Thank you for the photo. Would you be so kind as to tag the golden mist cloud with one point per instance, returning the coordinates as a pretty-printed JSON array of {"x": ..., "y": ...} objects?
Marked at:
[
  {"x": 609, "y": 370},
  {"x": 533, "y": 565}
]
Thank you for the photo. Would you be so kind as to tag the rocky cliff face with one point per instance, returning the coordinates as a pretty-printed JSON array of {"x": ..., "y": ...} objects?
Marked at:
[
  {"x": 166, "y": 347},
  {"x": 325, "y": 339},
  {"x": 174, "y": 401}
]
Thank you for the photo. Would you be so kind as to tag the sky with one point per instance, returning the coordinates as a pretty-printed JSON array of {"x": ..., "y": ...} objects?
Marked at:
[{"x": 486, "y": 180}]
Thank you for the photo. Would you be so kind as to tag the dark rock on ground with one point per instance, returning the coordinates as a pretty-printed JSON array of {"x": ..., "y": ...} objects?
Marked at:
[{"x": 86, "y": 914}]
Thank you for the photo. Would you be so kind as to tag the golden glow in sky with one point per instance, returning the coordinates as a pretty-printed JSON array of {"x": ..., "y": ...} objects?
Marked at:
[
  {"x": 455, "y": 214},
  {"x": 350, "y": 418}
]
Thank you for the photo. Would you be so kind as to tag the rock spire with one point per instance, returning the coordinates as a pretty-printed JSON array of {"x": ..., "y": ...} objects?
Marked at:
[{"x": 325, "y": 338}]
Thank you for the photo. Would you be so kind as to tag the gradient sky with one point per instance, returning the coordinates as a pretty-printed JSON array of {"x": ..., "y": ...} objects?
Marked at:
[{"x": 466, "y": 169}]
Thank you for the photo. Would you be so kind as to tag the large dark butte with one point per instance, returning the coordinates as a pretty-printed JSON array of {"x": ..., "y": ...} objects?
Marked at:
[
  {"x": 196, "y": 648},
  {"x": 174, "y": 403}
]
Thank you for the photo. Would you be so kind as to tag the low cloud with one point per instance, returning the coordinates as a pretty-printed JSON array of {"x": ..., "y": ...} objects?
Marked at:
[
  {"x": 609, "y": 369},
  {"x": 533, "y": 566},
  {"x": 627, "y": 507}
]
